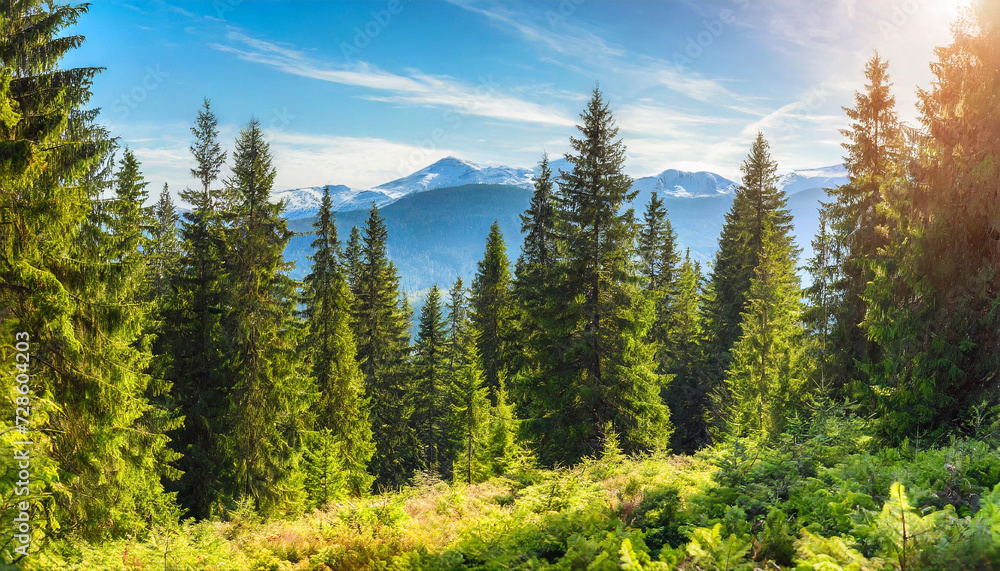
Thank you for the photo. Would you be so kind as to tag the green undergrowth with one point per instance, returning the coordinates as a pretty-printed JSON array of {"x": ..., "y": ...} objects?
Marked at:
[{"x": 823, "y": 499}]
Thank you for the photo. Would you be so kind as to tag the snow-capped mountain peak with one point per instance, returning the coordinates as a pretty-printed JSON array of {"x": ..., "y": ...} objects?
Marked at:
[
  {"x": 453, "y": 171},
  {"x": 305, "y": 202},
  {"x": 683, "y": 184},
  {"x": 793, "y": 181}
]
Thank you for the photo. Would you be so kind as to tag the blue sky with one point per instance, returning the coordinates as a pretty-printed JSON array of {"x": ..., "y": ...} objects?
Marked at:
[{"x": 359, "y": 93}]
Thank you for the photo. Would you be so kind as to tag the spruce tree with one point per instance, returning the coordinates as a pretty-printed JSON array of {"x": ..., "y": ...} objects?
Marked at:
[
  {"x": 538, "y": 223},
  {"x": 429, "y": 388},
  {"x": 164, "y": 245},
  {"x": 874, "y": 157},
  {"x": 461, "y": 348},
  {"x": 341, "y": 410},
  {"x": 163, "y": 261},
  {"x": 533, "y": 278},
  {"x": 265, "y": 397},
  {"x": 763, "y": 385},
  {"x": 71, "y": 288},
  {"x": 193, "y": 336},
  {"x": 381, "y": 330},
  {"x": 658, "y": 264},
  {"x": 822, "y": 298},
  {"x": 933, "y": 299},
  {"x": 471, "y": 409},
  {"x": 208, "y": 156},
  {"x": 657, "y": 247},
  {"x": 324, "y": 479},
  {"x": 351, "y": 259},
  {"x": 683, "y": 348},
  {"x": 593, "y": 366},
  {"x": 493, "y": 311},
  {"x": 502, "y": 447},
  {"x": 124, "y": 463},
  {"x": 758, "y": 204}
]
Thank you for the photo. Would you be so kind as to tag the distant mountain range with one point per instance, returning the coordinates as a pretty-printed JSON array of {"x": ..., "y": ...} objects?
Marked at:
[
  {"x": 448, "y": 172},
  {"x": 439, "y": 216}
]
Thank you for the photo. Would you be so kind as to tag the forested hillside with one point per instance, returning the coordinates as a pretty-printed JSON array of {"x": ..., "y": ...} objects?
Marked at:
[
  {"x": 438, "y": 234},
  {"x": 597, "y": 398}
]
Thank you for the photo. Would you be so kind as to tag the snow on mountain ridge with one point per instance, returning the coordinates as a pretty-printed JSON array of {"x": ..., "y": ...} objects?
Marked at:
[
  {"x": 794, "y": 181},
  {"x": 452, "y": 171},
  {"x": 305, "y": 202},
  {"x": 684, "y": 184},
  {"x": 447, "y": 172}
]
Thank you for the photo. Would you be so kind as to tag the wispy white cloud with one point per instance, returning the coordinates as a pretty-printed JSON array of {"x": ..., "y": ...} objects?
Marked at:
[
  {"x": 575, "y": 40},
  {"x": 562, "y": 39},
  {"x": 651, "y": 155},
  {"x": 414, "y": 89},
  {"x": 792, "y": 117},
  {"x": 301, "y": 159},
  {"x": 358, "y": 162},
  {"x": 646, "y": 116},
  {"x": 844, "y": 34}
]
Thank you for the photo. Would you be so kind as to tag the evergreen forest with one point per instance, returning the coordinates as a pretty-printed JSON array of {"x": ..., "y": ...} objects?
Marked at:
[{"x": 599, "y": 400}]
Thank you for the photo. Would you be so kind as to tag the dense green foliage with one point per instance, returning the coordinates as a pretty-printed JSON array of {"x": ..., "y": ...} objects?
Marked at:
[
  {"x": 758, "y": 209},
  {"x": 381, "y": 326},
  {"x": 341, "y": 407},
  {"x": 493, "y": 309},
  {"x": 935, "y": 291},
  {"x": 177, "y": 370},
  {"x": 193, "y": 340},
  {"x": 591, "y": 365},
  {"x": 817, "y": 498}
]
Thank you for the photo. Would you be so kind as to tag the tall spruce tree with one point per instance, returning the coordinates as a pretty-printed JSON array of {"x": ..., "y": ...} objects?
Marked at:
[
  {"x": 76, "y": 300},
  {"x": 874, "y": 159},
  {"x": 934, "y": 296},
  {"x": 758, "y": 205},
  {"x": 429, "y": 388},
  {"x": 461, "y": 338},
  {"x": 381, "y": 329},
  {"x": 493, "y": 311},
  {"x": 532, "y": 278},
  {"x": 596, "y": 368},
  {"x": 163, "y": 260},
  {"x": 193, "y": 335},
  {"x": 657, "y": 247},
  {"x": 683, "y": 348},
  {"x": 265, "y": 398},
  {"x": 822, "y": 297},
  {"x": 122, "y": 468},
  {"x": 164, "y": 245},
  {"x": 658, "y": 265},
  {"x": 351, "y": 259},
  {"x": 342, "y": 412},
  {"x": 538, "y": 223},
  {"x": 764, "y": 381}
]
